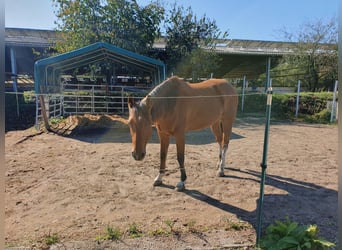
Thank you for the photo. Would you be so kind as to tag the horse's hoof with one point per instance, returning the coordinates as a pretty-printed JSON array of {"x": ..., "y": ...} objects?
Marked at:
[
  {"x": 157, "y": 183},
  {"x": 220, "y": 174},
  {"x": 180, "y": 187}
]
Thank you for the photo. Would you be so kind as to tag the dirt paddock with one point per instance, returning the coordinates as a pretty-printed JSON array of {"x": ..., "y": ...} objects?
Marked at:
[{"x": 78, "y": 182}]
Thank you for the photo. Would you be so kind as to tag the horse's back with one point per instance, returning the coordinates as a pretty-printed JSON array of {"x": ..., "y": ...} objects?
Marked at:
[
  {"x": 210, "y": 101},
  {"x": 195, "y": 105}
]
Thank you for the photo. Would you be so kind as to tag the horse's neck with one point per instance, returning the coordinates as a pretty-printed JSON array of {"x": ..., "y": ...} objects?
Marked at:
[
  {"x": 160, "y": 99},
  {"x": 154, "y": 109}
]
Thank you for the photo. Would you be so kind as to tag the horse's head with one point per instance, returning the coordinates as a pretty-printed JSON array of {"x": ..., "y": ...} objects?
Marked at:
[{"x": 140, "y": 125}]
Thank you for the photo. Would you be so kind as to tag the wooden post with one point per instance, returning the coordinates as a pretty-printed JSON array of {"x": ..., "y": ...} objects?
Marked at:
[{"x": 44, "y": 114}]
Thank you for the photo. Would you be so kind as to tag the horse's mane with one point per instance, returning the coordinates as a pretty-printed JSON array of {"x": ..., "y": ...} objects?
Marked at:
[{"x": 168, "y": 88}]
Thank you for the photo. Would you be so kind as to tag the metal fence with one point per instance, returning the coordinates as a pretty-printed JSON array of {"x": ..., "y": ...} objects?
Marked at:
[{"x": 77, "y": 99}]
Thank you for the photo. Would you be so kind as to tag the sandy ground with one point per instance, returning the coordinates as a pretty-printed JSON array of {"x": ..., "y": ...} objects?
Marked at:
[{"x": 76, "y": 186}]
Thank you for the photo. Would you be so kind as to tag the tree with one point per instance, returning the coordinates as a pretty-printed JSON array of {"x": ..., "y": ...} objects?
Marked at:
[
  {"x": 190, "y": 43},
  {"x": 120, "y": 22},
  {"x": 314, "y": 57}
]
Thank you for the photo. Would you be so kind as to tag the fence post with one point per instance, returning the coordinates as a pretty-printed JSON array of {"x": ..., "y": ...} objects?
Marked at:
[
  {"x": 122, "y": 101},
  {"x": 243, "y": 92},
  {"x": 92, "y": 100},
  {"x": 76, "y": 103},
  {"x": 333, "y": 107},
  {"x": 297, "y": 100}
]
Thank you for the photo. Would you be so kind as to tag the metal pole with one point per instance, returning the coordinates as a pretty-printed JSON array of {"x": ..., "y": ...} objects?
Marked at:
[
  {"x": 297, "y": 100},
  {"x": 243, "y": 93},
  {"x": 268, "y": 75},
  {"x": 264, "y": 163}
]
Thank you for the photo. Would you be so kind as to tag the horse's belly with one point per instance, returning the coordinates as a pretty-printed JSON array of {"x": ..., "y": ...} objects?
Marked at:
[{"x": 201, "y": 120}]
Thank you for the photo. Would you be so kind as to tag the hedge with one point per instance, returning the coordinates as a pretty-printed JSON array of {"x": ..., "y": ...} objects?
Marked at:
[{"x": 312, "y": 106}]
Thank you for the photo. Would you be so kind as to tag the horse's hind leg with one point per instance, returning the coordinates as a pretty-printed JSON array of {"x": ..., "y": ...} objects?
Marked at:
[
  {"x": 217, "y": 130},
  {"x": 180, "y": 144},
  {"x": 227, "y": 126}
]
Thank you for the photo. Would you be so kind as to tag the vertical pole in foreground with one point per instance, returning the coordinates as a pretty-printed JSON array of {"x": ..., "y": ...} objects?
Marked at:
[{"x": 264, "y": 163}]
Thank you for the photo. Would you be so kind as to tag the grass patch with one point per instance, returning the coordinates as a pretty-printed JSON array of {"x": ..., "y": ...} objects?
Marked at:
[
  {"x": 110, "y": 234},
  {"x": 134, "y": 231},
  {"x": 236, "y": 225},
  {"x": 159, "y": 232},
  {"x": 51, "y": 239}
]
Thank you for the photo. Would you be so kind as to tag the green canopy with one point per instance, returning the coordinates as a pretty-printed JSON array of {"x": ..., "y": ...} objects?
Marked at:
[{"x": 47, "y": 71}]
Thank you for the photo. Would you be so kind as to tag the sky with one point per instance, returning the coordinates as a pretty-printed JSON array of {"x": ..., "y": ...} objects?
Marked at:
[{"x": 243, "y": 19}]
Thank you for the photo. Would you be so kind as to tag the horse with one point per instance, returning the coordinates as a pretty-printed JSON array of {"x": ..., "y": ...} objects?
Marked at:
[{"x": 175, "y": 107}]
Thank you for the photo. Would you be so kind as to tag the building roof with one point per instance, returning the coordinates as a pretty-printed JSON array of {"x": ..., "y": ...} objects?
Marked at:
[
  {"x": 30, "y": 37},
  {"x": 45, "y": 38}
]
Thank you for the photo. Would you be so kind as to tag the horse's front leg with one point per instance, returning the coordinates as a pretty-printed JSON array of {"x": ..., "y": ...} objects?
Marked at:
[
  {"x": 164, "y": 146},
  {"x": 180, "y": 143}
]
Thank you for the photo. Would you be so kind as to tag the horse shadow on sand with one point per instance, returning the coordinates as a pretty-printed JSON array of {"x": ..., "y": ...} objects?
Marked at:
[
  {"x": 122, "y": 135},
  {"x": 305, "y": 203}
]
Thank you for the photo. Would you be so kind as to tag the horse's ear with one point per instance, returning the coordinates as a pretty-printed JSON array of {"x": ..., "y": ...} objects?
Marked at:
[{"x": 131, "y": 102}]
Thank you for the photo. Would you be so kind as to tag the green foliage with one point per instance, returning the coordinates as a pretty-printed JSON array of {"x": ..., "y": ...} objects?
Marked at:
[
  {"x": 312, "y": 106},
  {"x": 314, "y": 60},
  {"x": 110, "y": 234},
  {"x": 199, "y": 63},
  {"x": 321, "y": 117},
  {"x": 51, "y": 239},
  {"x": 133, "y": 231},
  {"x": 170, "y": 224},
  {"x": 29, "y": 96},
  {"x": 289, "y": 235},
  {"x": 191, "y": 226},
  {"x": 186, "y": 36},
  {"x": 189, "y": 40},
  {"x": 237, "y": 226},
  {"x": 56, "y": 120},
  {"x": 120, "y": 22},
  {"x": 159, "y": 232}
]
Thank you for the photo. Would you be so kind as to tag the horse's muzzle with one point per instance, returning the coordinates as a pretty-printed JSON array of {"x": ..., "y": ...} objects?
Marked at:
[{"x": 138, "y": 157}]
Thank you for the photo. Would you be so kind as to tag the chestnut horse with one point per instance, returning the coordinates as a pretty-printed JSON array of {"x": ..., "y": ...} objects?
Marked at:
[{"x": 175, "y": 107}]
